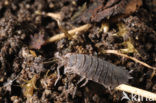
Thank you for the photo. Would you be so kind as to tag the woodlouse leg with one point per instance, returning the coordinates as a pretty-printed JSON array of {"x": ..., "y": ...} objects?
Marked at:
[
  {"x": 74, "y": 92},
  {"x": 82, "y": 79},
  {"x": 58, "y": 75},
  {"x": 86, "y": 81}
]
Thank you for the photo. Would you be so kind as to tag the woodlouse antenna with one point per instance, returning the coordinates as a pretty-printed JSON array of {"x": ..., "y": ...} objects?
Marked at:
[{"x": 51, "y": 61}]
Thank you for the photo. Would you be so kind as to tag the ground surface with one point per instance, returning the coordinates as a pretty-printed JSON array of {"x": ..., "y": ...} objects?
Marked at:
[{"x": 25, "y": 75}]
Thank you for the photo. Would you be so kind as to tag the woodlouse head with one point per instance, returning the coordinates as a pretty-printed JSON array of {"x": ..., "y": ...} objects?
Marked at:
[
  {"x": 65, "y": 60},
  {"x": 61, "y": 59}
]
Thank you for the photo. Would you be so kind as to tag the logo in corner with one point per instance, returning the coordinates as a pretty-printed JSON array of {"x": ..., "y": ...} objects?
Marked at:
[{"x": 125, "y": 96}]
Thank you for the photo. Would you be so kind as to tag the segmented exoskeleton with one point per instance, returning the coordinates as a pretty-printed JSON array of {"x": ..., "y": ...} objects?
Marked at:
[{"x": 95, "y": 69}]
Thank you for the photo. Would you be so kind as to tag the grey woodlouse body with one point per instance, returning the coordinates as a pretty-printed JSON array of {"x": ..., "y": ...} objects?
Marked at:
[{"x": 95, "y": 69}]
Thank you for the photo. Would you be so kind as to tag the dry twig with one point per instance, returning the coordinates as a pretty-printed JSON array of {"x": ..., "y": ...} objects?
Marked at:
[
  {"x": 137, "y": 91},
  {"x": 71, "y": 32},
  {"x": 126, "y": 56},
  {"x": 54, "y": 15}
]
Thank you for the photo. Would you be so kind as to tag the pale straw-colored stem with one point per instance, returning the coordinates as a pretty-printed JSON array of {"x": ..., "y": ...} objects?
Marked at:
[
  {"x": 129, "y": 57},
  {"x": 139, "y": 92},
  {"x": 71, "y": 32}
]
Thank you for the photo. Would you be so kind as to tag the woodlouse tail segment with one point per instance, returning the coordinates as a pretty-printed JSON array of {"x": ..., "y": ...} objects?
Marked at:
[{"x": 122, "y": 75}]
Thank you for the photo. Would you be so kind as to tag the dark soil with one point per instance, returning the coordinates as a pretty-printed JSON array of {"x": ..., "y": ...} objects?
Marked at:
[{"x": 27, "y": 71}]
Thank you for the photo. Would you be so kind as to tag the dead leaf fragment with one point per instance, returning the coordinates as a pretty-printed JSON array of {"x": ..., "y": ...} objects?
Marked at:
[{"x": 37, "y": 41}]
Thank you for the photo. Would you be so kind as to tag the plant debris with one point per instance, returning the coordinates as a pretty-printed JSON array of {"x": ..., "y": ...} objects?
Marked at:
[
  {"x": 30, "y": 36},
  {"x": 105, "y": 9}
]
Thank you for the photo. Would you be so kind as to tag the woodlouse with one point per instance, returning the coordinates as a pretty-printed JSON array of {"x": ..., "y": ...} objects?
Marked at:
[{"x": 95, "y": 69}]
